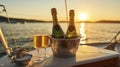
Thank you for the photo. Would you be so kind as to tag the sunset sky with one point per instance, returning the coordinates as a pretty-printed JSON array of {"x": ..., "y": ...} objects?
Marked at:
[{"x": 41, "y": 9}]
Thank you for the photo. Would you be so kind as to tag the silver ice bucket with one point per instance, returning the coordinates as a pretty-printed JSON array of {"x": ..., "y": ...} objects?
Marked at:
[{"x": 64, "y": 48}]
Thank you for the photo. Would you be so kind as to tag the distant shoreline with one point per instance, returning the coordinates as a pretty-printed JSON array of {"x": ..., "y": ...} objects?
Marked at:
[{"x": 21, "y": 20}]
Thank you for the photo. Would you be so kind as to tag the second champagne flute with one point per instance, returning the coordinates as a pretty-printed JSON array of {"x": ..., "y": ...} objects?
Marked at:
[{"x": 45, "y": 43}]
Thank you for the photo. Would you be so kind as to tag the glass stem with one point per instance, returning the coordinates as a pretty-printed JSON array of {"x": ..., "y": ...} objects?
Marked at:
[
  {"x": 38, "y": 52},
  {"x": 45, "y": 52}
]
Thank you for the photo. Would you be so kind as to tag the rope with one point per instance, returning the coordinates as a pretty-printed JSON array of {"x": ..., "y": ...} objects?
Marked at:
[
  {"x": 66, "y": 10},
  {"x": 14, "y": 38}
]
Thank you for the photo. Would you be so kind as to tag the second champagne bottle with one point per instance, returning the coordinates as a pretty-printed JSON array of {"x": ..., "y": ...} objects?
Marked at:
[{"x": 71, "y": 31}]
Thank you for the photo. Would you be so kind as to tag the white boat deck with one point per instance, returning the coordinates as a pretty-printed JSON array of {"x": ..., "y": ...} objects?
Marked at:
[{"x": 85, "y": 54}]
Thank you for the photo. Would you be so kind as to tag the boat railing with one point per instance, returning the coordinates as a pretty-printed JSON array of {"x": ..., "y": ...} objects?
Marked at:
[
  {"x": 4, "y": 10},
  {"x": 115, "y": 37},
  {"x": 113, "y": 42}
]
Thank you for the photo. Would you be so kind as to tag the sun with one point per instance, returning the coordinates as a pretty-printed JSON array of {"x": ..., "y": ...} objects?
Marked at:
[{"x": 83, "y": 16}]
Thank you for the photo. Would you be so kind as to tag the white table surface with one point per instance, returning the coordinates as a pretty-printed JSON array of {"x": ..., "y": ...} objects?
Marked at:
[{"x": 85, "y": 54}]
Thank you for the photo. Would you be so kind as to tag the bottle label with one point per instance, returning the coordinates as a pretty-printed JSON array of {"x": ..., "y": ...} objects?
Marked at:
[
  {"x": 71, "y": 28},
  {"x": 57, "y": 27}
]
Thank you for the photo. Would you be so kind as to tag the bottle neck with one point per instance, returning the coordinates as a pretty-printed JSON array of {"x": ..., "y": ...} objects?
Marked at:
[
  {"x": 55, "y": 20},
  {"x": 54, "y": 16},
  {"x": 71, "y": 21}
]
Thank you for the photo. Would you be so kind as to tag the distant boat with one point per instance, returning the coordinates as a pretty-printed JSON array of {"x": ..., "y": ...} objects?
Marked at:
[{"x": 24, "y": 22}]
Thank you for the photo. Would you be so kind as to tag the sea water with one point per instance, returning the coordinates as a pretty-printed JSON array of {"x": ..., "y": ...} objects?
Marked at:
[{"x": 90, "y": 32}]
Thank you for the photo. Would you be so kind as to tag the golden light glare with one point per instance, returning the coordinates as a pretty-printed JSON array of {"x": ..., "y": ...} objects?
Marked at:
[{"x": 83, "y": 16}]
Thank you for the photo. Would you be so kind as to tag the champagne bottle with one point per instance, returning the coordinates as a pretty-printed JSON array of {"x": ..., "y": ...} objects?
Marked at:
[
  {"x": 71, "y": 31},
  {"x": 57, "y": 31}
]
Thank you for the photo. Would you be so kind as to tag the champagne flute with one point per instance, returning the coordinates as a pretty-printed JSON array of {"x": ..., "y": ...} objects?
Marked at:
[
  {"x": 37, "y": 45},
  {"x": 45, "y": 43}
]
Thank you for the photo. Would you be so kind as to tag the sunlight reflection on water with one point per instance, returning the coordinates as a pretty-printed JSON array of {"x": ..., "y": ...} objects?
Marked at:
[{"x": 83, "y": 33}]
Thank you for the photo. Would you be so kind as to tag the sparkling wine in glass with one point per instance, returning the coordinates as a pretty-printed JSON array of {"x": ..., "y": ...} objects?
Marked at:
[
  {"x": 37, "y": 45},
  {"x": 45, "y": 43}
]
